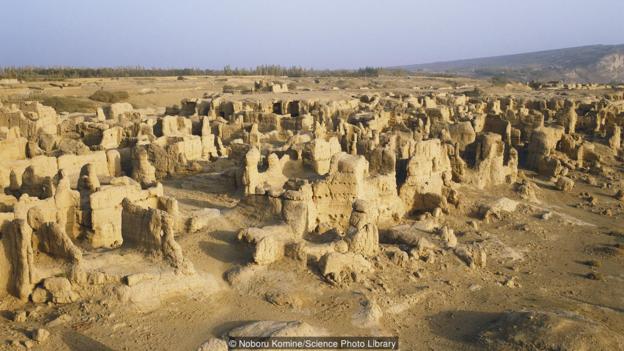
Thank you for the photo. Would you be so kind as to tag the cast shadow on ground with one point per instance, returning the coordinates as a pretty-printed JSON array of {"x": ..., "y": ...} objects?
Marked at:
[
  {"x": 79, "y": 342},
  {"x": 226, "y": 252},
  {"x": 461, "y": 326},
  {"x": 201, "y": 203},
  {"x": 222, "y": 329}
]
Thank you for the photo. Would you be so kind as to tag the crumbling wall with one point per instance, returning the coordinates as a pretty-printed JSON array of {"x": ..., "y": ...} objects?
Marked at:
[
  {"x": 318, "y": 153},
  {"x": 105, "y": 207},
  {"x": 428, "y": 173},
  {"x": 18, "y": 248},
  {"x": 256, "y": 182},
  {"x": 343, "y": 184},
  {"x": 32, "y": 118},
  {"x": 543, "y": 143},
  {"x": 491, "y": 167},
  {"x": 152, "y": 230}
]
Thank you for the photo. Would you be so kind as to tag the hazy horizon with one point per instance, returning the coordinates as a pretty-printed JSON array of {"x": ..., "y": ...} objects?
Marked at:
[{"x": 312, "y": 34}]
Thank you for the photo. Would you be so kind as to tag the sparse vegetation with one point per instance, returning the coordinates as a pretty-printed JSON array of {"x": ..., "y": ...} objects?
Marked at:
[
  {"x": 109, "y": 96},
  {"x": 344, "y": 84},
  {"x": 500, "y": 81},
  {"x": 62, "y": 73},
  {"x": 476, "y": 92},
  {"x": 69, "y": 104},
  {"x": 593, "y": 263},
  {"x": 229, "y": 88}
]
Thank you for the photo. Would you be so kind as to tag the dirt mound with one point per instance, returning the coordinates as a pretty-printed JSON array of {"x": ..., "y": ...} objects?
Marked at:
[
  {"x": 533, "y": 330},
  {"x": 276, "y": 328}
]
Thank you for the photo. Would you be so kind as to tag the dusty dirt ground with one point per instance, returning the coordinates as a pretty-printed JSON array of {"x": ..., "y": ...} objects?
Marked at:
[{"x": 535, "y": 262}]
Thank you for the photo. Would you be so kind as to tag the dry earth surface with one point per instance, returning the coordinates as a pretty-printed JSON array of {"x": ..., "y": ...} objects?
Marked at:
[{"x": 441, "y": 234}]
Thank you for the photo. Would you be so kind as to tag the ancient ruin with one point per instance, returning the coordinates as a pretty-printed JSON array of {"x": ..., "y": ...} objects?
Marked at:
[
  {"x": 166, "y": 209},
  {"x": 346, "y": 189}
]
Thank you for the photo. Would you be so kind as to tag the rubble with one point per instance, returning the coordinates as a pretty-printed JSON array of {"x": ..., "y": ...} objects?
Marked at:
[
  {"x": 363, "y": 235},
  {"x": 60, "y": 289},
  {"x": 299, "y": 197},
  {"x": 448, "y": 237},
  {"x": 565, "y": 184},
  {"x": 277, "y": 329},
  {"x": 213, "y": 344},
  {"x": 18, "y": 243},
  {"x": 534, "y": 330},
  {"x": 202, "y": 218},
  {"x": 40, "y": 335},
  {"x": 339, "y": 267}
]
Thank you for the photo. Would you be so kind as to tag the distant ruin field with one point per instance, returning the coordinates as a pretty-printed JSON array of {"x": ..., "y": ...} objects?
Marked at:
[{"x": 186, "y": 211}]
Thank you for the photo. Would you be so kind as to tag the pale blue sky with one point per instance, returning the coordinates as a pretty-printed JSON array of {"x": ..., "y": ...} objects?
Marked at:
[{"x": 309, "y": 33}]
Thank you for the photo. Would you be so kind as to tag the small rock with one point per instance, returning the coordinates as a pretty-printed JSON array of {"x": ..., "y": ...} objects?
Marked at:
[
  {"x": 279, "y": 298},
  {"x": 40, "y": 295},
  {"x": 40, "y": 335},
  {"x": 503, "y": 204},
  {"x": 423, "y": 244},
  {"x": 547, "y": 215},
  {"x": 475, "y": 287},
  {"x": 19, "y": 317},
  {"x": 426, "y": 225},
  {"x": 268, "y": 250},
  {"x": 29, "y": 344},
  {"x": 196, "y": 167},
  {"x": 60, "y": 320},
  {"x": 61, "y": 290},
  {"x": 134, "y": 279},
  {"x": 213, "y": 344},
  {"x": 473, "y": 257},
  {"x": 369, "y": 314},
  {"x": 397, "y": 256},
  {"x": 479, "y": 257},
  {"x": 465, "y": 256},
  {"x": 119, "y": 325},
  {"x": 341, "y": 246},
  {"x": 437, "y": 212},
  {"x": 202, "y": 218},
  {"x": 594, "y": 276},
  {"x": 96, "y": 278},
  {"x": 592, "y": 263},
  {"x": 565, "y": 184},
  {"x": 512, "y": 283},
  {"x": 448, "y": 236}
]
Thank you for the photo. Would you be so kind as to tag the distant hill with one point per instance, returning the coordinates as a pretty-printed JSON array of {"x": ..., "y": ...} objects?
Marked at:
[{"x": 595, "y": 63}]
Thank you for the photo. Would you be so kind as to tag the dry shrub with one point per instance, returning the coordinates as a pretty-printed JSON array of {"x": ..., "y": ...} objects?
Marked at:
[{"x": 109, "y": 96}]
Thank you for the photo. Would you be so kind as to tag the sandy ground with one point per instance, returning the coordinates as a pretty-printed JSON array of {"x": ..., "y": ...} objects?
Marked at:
[
  {"x": 437, "y": 306},
  {"x": 533, "y": 263}
]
